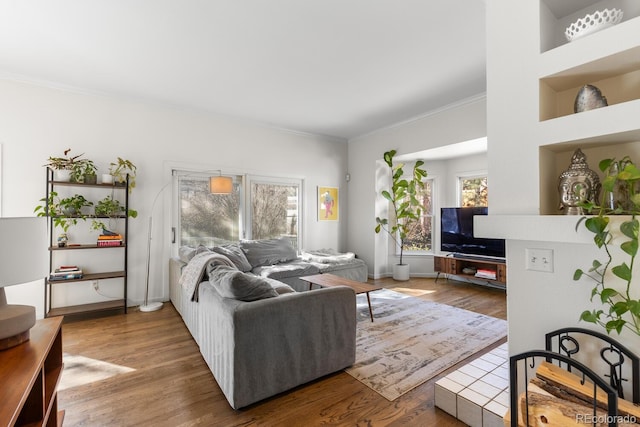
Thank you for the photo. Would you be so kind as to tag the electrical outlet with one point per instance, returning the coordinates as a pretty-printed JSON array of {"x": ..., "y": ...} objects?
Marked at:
[
  {"x": 539, "y": 260},
  {"x": 96, "y": 286}
]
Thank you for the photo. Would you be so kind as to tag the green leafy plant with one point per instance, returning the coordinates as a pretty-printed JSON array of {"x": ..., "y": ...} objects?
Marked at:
[
  {"x": 63, "y": 163},
  {"x": 405, "y": 204},
  {"x": 109, "y": 208},
  {"x": 621, "y": 310},
  {"x": 64, "y": 211},
  {"x": 82, "y": 170},
  {"x": 120, "y": 169}
]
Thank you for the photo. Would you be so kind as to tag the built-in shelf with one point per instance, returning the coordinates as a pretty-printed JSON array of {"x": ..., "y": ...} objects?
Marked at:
[{"x": 540, "y": 228}]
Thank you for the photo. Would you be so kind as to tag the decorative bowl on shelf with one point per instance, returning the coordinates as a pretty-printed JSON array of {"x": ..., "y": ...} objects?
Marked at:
[{"x": 593, "y": 22}]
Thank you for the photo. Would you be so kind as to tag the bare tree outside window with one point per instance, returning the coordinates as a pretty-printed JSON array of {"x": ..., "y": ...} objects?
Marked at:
[
  {"x": 274, "y": 211},
  {"x": 474, "y": 191}
]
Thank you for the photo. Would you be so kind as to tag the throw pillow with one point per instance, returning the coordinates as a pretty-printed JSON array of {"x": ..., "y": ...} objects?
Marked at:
[
  {"x": 232, "y": 283},
  {"x": 268, "y": 251},
  {"x": 235, "y": 254}
]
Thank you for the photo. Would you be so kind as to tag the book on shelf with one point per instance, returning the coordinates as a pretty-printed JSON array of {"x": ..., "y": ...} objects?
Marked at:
[
  {"x": 65, "y": 275},
  {"x": 486, "y": 274},
  {"x": 67, "y": 268},
  {"x": 110, "y": 237},
  {"x": 108, "y": 243}
]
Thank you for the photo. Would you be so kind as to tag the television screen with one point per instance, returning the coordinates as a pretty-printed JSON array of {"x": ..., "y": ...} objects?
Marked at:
[{"x": 456, "y": 233}]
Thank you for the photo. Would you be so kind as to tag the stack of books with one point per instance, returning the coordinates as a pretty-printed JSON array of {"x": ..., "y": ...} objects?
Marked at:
[
  {"x": 66, "y": 272},
  {"x": 486, "y": 274},
  {"x": 110, "y": 240}
]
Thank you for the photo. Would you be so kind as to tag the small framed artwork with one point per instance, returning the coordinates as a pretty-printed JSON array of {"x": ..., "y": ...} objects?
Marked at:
[{"x": 328, "y": 204}]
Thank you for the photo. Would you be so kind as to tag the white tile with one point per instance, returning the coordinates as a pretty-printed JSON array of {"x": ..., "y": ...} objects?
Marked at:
[
  {"x": 503, "y": 398},
  {"x": 473, "y": 396},
  {"x": 469, "y": 412},
  {"x": 484, "y": 365},
  {"x": 448, "y": 384},
  {"x": 495, "y": 380},
  {"x": 461, "y": 378},
  {"x": 502, "y": 372},
  {"x": 496, "y": 408},
  {"x": 446, "y": 400},
  {"x": 473, "y": 371},
  {"x": 491, "y": 419},
  {"x": 492, "y": 358},
  {"x": 485, "y": 389}
]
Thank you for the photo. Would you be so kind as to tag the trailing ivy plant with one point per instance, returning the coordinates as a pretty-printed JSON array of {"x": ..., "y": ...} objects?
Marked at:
[
  {"x": 621, "y": 310},
  {"x": 406, "y": 206},
  {"x": 65, "y": 212}
]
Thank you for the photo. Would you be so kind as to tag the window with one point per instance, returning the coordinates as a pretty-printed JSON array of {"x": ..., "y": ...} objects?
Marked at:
[
  {"x": 473, "y": 190},
  {"x": 204, "y": 218},
  {"x": 215, "y": 219},
  {"x": 420, "y": 238},
  {"x": 274, "y": 210}
]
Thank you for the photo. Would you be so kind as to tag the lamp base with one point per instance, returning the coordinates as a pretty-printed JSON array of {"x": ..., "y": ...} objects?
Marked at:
[
  {"x": 13, "y": 341},
  {"x": 152, "y": 306},
  {"x": 15, "y": 322}
]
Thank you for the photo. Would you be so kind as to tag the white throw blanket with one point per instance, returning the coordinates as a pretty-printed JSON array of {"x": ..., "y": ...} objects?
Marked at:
[
  {"x": 327, "y": 256},
  {"x": 193, "y": 272}
]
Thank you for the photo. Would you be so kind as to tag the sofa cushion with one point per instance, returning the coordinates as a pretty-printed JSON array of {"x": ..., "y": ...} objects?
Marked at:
[
  {"x": 278, "y": 286},
  {"x": 235, "y": 254},
  {"x": 285, "y": 270},
  {"x": 268, "y": 251},
  {"x": 232, "y": 283}
]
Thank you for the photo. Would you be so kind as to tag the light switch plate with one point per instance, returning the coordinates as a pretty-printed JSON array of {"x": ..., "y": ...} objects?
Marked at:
[{"x": 539, "y": 260}]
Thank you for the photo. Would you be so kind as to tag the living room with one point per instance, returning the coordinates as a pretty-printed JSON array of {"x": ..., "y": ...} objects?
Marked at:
[{"x": 43, "y": 117}]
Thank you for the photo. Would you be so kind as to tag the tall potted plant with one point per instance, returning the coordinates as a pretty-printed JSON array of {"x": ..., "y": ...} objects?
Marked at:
[{"x": 402, "y": 196}]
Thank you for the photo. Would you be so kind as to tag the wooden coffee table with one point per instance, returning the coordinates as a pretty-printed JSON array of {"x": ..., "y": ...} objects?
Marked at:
[{"x": 329, "y": 280}]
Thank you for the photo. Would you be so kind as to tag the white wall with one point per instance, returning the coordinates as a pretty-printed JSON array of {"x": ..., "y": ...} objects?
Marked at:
[
  {"x": 36, "y": 122},
  {"x": 458, "y": 123},
  {"x": 537, "y": 302}
]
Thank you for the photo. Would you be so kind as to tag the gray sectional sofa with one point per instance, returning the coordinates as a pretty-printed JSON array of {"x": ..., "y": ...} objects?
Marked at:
[{"x": 261, "y": 336}]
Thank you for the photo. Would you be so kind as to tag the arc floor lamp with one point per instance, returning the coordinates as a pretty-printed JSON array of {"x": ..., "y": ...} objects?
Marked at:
[{"x": 218, "y": 184}]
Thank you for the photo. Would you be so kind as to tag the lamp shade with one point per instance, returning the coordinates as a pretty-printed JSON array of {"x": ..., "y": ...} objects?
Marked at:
[
  {"x": 220, "y": 185},
  {"x": 27, "y": 260}
]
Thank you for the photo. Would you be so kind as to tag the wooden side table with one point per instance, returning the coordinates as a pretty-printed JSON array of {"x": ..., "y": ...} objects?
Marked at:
[
  {"x": 329, "y": 280},
  {"x": 29, "y": 374}
]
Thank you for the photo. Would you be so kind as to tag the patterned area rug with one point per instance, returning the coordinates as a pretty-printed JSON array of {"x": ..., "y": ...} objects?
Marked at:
[{"x": 412, "y": 340}]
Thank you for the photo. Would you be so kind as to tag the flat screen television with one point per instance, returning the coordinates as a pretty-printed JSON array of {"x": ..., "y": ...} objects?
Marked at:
[{"x": 456, "y": 234}]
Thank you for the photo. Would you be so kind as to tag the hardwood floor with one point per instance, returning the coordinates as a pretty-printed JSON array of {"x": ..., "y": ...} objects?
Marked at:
[{"x": 172, "y": 386}]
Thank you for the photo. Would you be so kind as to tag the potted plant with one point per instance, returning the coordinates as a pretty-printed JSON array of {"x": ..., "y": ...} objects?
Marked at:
[
  {"x": 622, "y": 308},
  {"x": 62, "y": 166},
  {"x": 109, "y": 208},
  {"x": 405, "y": 205},
  {"x": 83, "y": 170},
  {"x": 65, "y": 212},
  {"x": 119, "y": 171}
]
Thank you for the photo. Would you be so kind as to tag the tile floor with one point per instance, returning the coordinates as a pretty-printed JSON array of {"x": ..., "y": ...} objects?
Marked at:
[{"x": 478, "y": 393}]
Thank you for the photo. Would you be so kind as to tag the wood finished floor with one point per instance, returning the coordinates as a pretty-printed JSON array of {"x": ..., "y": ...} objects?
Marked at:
[{"x": 172, "y": 386}]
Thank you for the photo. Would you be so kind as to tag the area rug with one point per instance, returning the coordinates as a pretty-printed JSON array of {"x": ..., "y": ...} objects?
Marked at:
[
  {"x": 411, "y": 340},
  {"x": 80, "y": 370}
]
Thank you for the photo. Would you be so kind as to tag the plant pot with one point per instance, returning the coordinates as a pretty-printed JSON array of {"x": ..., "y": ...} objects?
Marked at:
[
  {"x": 107, "y": 178},
  {"x": 401, "y": 272},
  {"x": 90, "y": 179},
  {"x": 63, "y": 175}
]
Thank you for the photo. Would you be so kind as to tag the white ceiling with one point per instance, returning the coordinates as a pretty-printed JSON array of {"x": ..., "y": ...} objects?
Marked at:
[{"x": 341, "y": 68}]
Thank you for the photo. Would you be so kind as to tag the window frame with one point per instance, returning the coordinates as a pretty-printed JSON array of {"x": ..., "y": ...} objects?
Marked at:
[
  {"x": 469, "y": 175},
  {"x": 433, "y": 224},
  {"x": 245, "y": 209}
]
